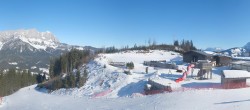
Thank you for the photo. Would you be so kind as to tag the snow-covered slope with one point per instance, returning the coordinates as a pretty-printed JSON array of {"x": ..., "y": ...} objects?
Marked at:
[
  {"x": 109, "y": 88},
  {"x": 112, "y": 82}
]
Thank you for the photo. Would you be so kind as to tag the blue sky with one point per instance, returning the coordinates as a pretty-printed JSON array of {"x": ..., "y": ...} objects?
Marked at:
[{"x": 99, "y": 23}]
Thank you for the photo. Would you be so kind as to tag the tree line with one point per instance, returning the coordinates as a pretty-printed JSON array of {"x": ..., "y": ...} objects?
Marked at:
[
  {"x": 186, "y": 45},
  {"x": 13, "y": 80},
  {"x": 183, "y": 46},
  {"x": 65, "y": 70}
]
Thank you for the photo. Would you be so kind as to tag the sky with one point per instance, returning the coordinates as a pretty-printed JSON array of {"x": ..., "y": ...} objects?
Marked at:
[{"x": 103, "y": 23}]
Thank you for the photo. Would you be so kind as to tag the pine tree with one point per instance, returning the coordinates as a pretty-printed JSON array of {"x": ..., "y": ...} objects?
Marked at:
[{"x": 78, "y": 77}]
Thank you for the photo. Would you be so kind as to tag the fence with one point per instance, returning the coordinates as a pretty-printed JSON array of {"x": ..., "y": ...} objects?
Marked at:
[{"x": 241, "y": 65}]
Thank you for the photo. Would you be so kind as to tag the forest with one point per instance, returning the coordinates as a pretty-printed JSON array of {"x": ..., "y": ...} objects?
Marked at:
[
  {"x": 67, "y": 71},
  {"x": 13, "y": 80}
]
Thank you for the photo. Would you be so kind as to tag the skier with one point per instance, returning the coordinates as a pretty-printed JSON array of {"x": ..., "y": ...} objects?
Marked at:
[{"x": 184, "y": 75}]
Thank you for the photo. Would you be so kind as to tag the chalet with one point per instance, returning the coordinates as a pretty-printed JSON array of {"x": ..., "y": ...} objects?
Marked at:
[
  {"x": 222, "y": 60},
  {"x": 194, "y": 56},
  {"x": 231, "y": 79}
]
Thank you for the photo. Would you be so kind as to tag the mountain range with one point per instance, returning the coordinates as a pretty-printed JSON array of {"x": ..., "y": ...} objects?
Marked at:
[
  {"x": 234, "y": 52},
  {"x": 31, "y": 49}
]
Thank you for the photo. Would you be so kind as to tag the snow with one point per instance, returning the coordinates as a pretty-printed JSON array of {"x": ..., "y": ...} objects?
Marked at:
[
  {"x": 46, "y": 70},
  {"x": 1, "y": 45},
  {"x": 39, "y": 40},
  {"x": 13, "y": 63},
  {"x": 79, "y": 48},
  {"x": 236, "y": 74},
  {"x": 209, "y": 52},
  {"x": 33, "y": 67},
  {"x": 31, "y": 99},
  {"x": 166, "y": 82},
  {"x": 109, "y": 88},
  {"x": 242, "y": 58}
]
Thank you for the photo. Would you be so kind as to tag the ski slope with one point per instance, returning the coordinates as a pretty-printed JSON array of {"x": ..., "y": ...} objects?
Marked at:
[{"x": 110, "y": 89}]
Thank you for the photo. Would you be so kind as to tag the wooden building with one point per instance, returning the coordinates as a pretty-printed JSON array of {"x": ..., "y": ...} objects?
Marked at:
[
  {"x": 194, "y": 56},
  {"x": 231, "y": 79},
  {"x": 222, "y": 60}
]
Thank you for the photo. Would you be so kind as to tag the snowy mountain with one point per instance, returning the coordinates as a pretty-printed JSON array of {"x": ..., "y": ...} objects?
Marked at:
[
  {"x": 238, "y": 51},
  {"x": 247, "y": 47},
  {"x": 214, "y": 49},
  {"x": 30, "y": 48},
  {"x": 235, "y": 52},
  {"x": 38, "y": 40}
]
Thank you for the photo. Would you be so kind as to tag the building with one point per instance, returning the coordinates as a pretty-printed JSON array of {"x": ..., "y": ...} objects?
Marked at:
[
  {"x": 222, "y": 60},
  {"x": 231, "y": 79},
  {"x": 240, "y": 65},
  {"x": 194, "y": 56}
]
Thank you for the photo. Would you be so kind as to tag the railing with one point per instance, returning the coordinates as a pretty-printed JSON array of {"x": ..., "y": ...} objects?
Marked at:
[{"x": 241, "y": 67}]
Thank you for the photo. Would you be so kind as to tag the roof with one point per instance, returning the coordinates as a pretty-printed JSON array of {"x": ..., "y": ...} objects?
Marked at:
[
  {"x": 199, "y": 52},
  {"x": 236, "y": 74}
]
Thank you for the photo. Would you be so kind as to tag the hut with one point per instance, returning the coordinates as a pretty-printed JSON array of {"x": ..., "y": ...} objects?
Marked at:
[
  {"x": 222, "y": 60},
  {"x": 194, "y": 56},
  {"x": 231, "y": 79}
]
